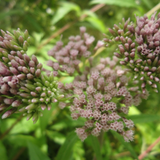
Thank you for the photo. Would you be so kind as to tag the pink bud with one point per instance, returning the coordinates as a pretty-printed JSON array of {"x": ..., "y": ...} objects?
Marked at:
[
  {"x": 38, "y": 72},
  {"x": 16, "y": 103},
  {"x": 34, "y": 58},
  {"x": 13, "y": 70},
  {"x": 25, "y": 70},
  {"x": 30, "y": 76},
  {"x": 26, "y": 58},
  {"x": 31, "y": 63},
  {"x": 8, "y": 101},
  {"x": 8, "y": 113},
  {"x": 43, "y": 106}
]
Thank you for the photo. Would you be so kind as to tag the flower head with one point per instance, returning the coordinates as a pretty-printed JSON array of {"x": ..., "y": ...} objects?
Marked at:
[{"x": 138, "y": 48}]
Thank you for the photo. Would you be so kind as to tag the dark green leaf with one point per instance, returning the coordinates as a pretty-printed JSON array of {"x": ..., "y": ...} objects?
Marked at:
[
  {"x": 127, "y": 145},
  {"x": 96, "y": 146},
  {"x": 35, "y": 153},
  {"x": 144, "y": 118},
  {"x": 65, "y": 152},
  {"x": 33, "y": 22},
  {"x": 3, "y": 153},
  {"x": 9, "y": 13}
]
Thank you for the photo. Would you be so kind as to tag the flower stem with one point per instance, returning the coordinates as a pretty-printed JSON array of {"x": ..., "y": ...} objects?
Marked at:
[{"x": 141, "y": 156}]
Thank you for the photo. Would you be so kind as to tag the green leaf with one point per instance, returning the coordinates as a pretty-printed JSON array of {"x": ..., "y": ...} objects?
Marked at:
[
  {"x": 23, "y": 126},
  {"x": 144, "y": 118},
  {"x": 97, "y": 23},
  {"x": 65, "y": 8},
  {"x": 96, "y": 146},
  {"x": 65, "y": 152},
  {"x": 10, "y": 13},
  {"x": 127, "y": 145},
  {"x": 56, "y": 136},
  {"x": 21, "y": 140},
  {"x": 35, "y": 153},
  {"x": 3, "y": 153},
  {"x": 33, "y": 22},
  {"x": 122, "y": 3},
  {"x": 44, "y": 120}
]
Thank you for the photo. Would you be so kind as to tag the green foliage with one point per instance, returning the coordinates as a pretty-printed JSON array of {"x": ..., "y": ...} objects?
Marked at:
[
  {"x": 65, "y": 7},
  {"x": 35, "y": 153},
  {"x": 122, "y": 3},
  {"x": 65, "y": 152},
  {"x": 53, "y": 136},
  {"x": 3, "y": 153},
  {"x": 128, "y": 146}
]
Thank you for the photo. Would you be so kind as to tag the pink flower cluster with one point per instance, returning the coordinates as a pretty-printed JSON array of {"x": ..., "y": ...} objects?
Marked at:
[
  {"x": 138, "y": 48},
  {"x": 69, "y": 57},
  {"x": 103, "y": 100}
]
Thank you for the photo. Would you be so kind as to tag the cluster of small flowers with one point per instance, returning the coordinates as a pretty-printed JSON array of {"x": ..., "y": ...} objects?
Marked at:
[
  {"x": 102, "y": 99},
  {"x": 138, "y": 47},
  {"x": 22, "y": 86},
  {"x": 71, "y": 55}
]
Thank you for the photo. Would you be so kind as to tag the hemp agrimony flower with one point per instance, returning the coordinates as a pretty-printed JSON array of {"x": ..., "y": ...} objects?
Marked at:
[
  {"x": 102, "y": 98},
  {"x": 23, "y": 87},
  {"x": 69, "y": 57},
  {"x": 138, "y": 48}
]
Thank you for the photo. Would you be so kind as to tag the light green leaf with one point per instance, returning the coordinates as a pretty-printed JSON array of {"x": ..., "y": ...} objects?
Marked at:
[
  {"x": 56, "y": 136},
  {"x": 127, "y": 145},
  {"x": 89, "y": 13},
  {"x": 65, "y": 8},
  {"x": 97, "y": 23},
  {"x": 144, "y": 118},
  {"x": 3, "y": 153},
  {"x": 31, "y": 50},
  {"x": 122, "y": 3},
  {"x": 65, "y": 152},
  {"x": 37, "y": 37},
  {"x": 23, "y": 126},
  {"x": 44, "y": 120},
  {"x": 35, "y": 153}
]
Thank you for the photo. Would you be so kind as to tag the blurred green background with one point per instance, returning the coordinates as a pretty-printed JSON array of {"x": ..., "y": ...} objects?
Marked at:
[{"x": 53, "y": 136}]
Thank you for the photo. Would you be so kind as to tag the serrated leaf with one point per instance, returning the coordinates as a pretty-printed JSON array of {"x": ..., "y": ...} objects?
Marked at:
[
  {"x": 122, "y": 3},
  {"x": 65, "y": 152},
  {"x": 127, "y": 145},
  {"x": 3, "y": 153},
  {"x": 144, "y": 118},
  {"x": 35, "y": 153},
  {"x": 65, "y": 8}
]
